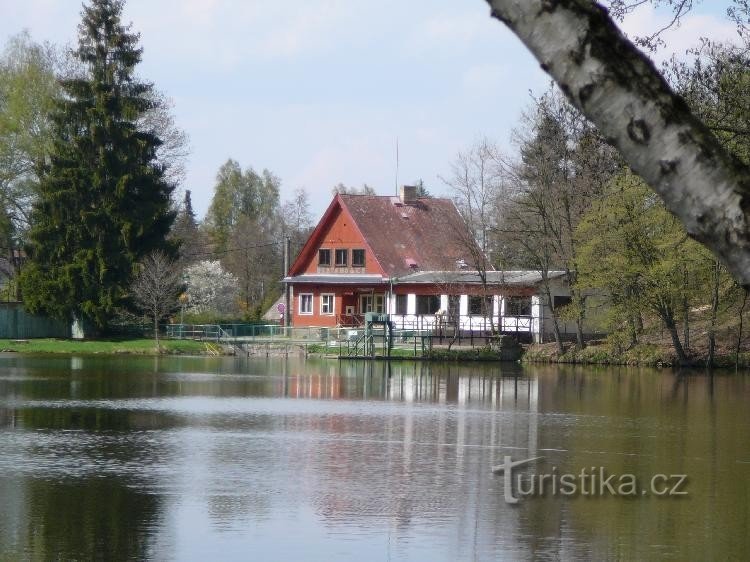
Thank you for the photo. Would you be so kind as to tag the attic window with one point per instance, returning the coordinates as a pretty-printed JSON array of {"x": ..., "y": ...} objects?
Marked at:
[
  {"x": 324, "y": 257},
  {"x": 342, "y": 257},
  {"x": 461, "y": 263},
  {"x": 404, "y": 216},
  {"x": 358, "y": 258},
  {"x": 411, "y": 263}
]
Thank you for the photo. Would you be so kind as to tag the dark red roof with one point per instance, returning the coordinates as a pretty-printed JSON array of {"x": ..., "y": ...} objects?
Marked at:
[{"x": 428, "y": 235}]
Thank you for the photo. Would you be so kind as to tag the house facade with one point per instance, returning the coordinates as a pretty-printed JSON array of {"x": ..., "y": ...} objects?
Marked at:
[{"x": 415, "y": 260}]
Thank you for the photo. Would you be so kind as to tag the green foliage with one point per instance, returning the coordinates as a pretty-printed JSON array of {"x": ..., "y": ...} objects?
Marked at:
[
  {"x": 103, "y": 201},
  {"x": 28, "y": 90},
  {"x": 632, "y": 248},
  {"x": 241, "y": 193}
]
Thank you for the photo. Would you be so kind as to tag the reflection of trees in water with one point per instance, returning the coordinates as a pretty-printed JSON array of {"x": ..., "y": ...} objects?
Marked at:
[
  {"x": 645, "y": 422},
  {"x": 84, "y": 519}
]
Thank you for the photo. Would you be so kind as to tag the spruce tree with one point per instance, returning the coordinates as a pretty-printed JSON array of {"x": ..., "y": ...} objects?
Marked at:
[{"x": 104, "y": 201}]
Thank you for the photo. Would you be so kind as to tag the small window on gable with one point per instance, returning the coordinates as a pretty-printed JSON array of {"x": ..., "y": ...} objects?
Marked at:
[
  {"x": 324, "y": 257},
  {"x": 358, "y": 258},
  {"x": 342, "y": 257}
]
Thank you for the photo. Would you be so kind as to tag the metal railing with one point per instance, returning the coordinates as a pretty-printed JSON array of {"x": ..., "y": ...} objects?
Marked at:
[{"x": 408, "y": 338}]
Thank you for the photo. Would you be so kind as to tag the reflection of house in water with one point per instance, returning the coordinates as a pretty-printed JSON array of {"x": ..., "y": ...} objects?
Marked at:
[{"x": 424, "y": 450}]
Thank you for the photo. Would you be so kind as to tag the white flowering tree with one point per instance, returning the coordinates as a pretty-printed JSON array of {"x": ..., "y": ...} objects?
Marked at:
[{"x": 210, "y": 289}]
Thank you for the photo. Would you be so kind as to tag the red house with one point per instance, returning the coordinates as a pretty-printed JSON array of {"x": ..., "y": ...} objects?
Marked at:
[{"x": 413, "y": 259}]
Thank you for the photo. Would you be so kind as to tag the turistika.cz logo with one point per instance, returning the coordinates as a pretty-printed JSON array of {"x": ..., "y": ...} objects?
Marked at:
[{"x": 592, "y": 481}]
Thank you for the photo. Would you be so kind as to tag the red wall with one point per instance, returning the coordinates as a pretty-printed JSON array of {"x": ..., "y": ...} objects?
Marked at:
[
  {"x": 340, "y": 232},
  {"x": 342, "y": 299}
]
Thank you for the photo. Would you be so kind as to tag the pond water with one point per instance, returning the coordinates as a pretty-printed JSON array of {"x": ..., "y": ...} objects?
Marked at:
[{"x": 223, "y": 458}]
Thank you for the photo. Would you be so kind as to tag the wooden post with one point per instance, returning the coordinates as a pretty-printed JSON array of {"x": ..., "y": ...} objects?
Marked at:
[{"x": 287, "y": 288}]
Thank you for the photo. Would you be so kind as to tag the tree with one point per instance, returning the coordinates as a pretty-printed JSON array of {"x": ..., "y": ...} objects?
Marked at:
[
  {"x": 210, "y": 289},
  {"x": 192, "y": 240},
  {"x": 255, "y": 261},
  {"x": 156, "y": 288},
  {"x": 28, "y": 90},
  {"x": 635, "y": 250},
  {"x": 564, "y": 164},
  {"x": 477, "y": 178},
  {"x": 621, "y": 92},
  {"x": 349, "y": 190},
  {"x": 296, "y": 217},
  {"x": 422, "y": 191},
  {"x": 103, "y": 199},
  {"x": 238, "y": 193}
]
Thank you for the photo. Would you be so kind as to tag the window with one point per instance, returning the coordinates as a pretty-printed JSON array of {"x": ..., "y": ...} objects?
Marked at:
[
  {"x": 327, "y": 304},
  {"x": 401, "y": 305},
  {"x": 305, "y": 303},
  {"x": 428, "y": 304},
  {"x": 342, "y": 257},
  {"x": 371, "y": 303},
  {"x": 324, "y": 257},
  {"x": 358, "y": 258},
  {"x": 560, "y": 301},
  {"x": 379, "y": 304},
  {"x": 480, "y": 306},
  {"x": 518, "y": 306}
]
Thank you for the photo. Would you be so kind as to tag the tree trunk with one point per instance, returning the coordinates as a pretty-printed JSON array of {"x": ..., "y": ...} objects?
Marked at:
[
  {"x": 686, "y": 312},
  {"x": 156, "y": 331},
  {"x": 681, "y": 356},
  {"x": 555, "y": 324},
  {"x": 686, "y": 325},
  {"x": 739, "y": 331},
  {"x": 620, "y": 90},
  {"x": 714, "y": 311},
  {"x": 579, "y": 322},
  {"x": 633, "y": 329}
]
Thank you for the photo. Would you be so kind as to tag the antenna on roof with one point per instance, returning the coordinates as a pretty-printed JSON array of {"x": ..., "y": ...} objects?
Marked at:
[{"x": 396, "y": 165}]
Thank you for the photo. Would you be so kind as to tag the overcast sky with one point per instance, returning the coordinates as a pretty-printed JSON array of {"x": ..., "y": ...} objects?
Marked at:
[{"x": 318, "y": 91}]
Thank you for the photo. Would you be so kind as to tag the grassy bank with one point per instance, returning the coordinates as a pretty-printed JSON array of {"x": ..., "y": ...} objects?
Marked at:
[
  {"x": 646, "y": 354},
  {"x": 115, "y": 347}
]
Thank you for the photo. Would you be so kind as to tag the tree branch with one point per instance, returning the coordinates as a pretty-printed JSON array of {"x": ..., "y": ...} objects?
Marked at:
[{"x": 621, "y": 92}]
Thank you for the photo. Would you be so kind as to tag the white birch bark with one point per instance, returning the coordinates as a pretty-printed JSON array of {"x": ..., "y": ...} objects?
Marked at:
[{"x": 622, "y": 93}]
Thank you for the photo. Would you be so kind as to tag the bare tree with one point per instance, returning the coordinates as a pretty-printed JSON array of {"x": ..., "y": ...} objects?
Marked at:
[
  {"x": 618, "y": 88},
  {"x": 476, "y": 179},
  {"x": 156, "y": 288}
]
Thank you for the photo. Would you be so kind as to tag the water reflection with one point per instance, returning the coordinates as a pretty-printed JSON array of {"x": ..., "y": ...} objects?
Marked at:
[{"x": 191, "y": 458}]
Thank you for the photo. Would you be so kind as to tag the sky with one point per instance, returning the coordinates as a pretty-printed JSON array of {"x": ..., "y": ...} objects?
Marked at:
[{"x": 318, "y": 92}]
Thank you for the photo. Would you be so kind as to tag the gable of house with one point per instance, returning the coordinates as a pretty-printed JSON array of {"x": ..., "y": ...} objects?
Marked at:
[{"x": 336, "y": 232}]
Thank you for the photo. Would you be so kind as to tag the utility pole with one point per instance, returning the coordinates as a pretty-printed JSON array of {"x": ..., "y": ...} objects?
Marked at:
[{"x": 287, "y": 288}]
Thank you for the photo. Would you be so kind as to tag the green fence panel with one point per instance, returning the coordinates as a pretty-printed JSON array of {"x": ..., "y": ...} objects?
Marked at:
[{"x": 17, "y": 324}]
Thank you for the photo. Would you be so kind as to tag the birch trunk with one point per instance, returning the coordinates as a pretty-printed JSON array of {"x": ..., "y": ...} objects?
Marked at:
[{"x": 622, "y": 93}]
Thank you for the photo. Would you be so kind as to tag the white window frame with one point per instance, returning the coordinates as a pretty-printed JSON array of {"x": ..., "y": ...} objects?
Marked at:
[
  {"x": 333, "y": 304},
  {"x": 363, "y": 301},
  {"x": 301, "y": 299}
]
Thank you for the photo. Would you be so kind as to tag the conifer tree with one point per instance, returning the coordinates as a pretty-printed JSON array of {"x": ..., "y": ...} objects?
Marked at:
[{"x": 104, "y": 201}]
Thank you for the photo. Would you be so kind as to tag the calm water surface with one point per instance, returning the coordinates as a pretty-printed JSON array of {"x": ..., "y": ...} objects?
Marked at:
[{"x": 208, "y": 459}]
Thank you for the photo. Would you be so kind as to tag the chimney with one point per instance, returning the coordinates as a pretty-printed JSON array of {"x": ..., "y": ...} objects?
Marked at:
[{"x": 408, "y": 194}]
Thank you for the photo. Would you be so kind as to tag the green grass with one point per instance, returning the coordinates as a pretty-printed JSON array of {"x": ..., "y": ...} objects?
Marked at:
[{"x": 134, "y": 346}]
